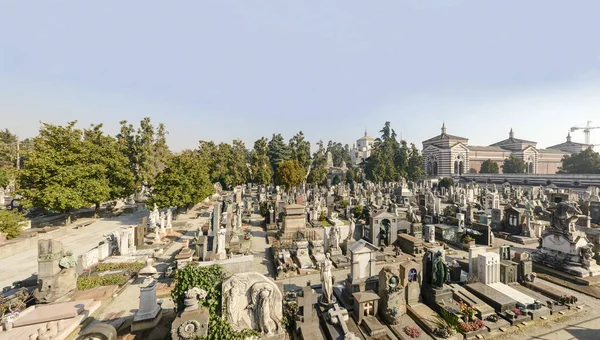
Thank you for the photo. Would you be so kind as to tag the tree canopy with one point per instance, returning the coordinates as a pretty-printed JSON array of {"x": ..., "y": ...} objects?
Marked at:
[
  {"x": 391, "y": 160},
  {"x": 584, "y": 162},
  {"x": 513, "y": 165},
  {"x": 290, "y": 174},
  {"x": 489, "y": 167},
  {"x": 183, "y": 183}
]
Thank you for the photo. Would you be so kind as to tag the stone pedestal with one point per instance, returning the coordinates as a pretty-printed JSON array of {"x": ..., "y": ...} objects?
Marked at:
[
  {"x": 191, "y": 325},
  {"x": 437, "y": 296},
  {"x": 150, "y": 312}
]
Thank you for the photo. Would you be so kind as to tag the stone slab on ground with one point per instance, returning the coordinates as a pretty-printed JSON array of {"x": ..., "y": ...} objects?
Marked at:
[
  {"x": 68, "y": 326},
  {"x": 46, "y": 313},
  {"x": 407, "y": 321}
]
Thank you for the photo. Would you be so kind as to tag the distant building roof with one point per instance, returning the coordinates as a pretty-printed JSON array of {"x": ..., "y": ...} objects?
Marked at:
[
  {"x": 569, "y": 144},
  {"x": 512, "y": 140},
  {"x": 444, "y": 135},
  {"x": 366, "y": 137},
  {"x": 485, "y": 148}
]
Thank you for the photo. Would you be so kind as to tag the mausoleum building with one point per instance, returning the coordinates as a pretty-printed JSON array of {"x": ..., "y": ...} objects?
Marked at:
[{"x": 447, "y": 155}]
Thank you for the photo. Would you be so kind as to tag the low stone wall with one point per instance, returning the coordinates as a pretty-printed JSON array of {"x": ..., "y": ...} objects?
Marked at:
[
  {"x": 20, "y": 245},
  {"x": 242, "y": 264}
]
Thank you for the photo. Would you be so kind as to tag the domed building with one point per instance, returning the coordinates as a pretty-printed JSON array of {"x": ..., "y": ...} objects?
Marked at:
[{"x": 362, "y": 149}]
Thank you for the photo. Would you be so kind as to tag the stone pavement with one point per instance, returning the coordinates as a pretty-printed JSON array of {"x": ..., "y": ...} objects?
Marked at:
[
  {"x": 262, "y": 264},
  {"x": 22, "y": 265}
]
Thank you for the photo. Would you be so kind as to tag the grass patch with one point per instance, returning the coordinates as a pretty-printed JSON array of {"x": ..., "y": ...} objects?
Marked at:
[
  {"x": 103, "y": 267},
  {"x": 85, "y": 283}
]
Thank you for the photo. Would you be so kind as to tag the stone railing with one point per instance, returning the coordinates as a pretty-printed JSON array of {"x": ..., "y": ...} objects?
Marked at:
[{"x": 573, "y": 180}]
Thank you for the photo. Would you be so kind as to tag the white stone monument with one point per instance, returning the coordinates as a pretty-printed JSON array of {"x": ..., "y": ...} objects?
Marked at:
[{"x": 489, "y": 268}]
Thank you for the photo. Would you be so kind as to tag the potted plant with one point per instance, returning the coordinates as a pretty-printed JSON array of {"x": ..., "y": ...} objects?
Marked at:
[{"x": 468, "y": 241}]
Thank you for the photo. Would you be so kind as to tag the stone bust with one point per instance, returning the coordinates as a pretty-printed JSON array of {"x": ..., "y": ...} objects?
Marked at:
[{"x": 68, "y": 261}]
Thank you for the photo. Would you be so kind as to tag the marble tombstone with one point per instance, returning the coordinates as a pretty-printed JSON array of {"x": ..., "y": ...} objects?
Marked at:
[{"x": 250, "y": 300}]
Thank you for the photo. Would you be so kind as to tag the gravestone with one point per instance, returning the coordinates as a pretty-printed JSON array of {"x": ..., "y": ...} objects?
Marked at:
[
  {"x": 488, "y": 268},
  {"x": 250, "y": 300},
  {"x": 150, "y": 312},
  {"x": 140, "y": 231},
  {"x": 393, "y": 302},
  {"x": 192, "y": 323},
  {"x": 410, "y": 275},
  {"x": 57, "y": 273},
  {"x": 429, "y": 233}
]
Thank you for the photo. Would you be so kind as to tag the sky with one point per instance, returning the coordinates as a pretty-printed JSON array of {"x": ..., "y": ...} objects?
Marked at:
[{"x": 222, "y": 69}]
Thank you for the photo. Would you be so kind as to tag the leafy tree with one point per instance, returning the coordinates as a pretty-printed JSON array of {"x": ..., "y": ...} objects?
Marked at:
[
  {"x": 290, "y": 174},
  {"x": 513, "y": 165},
  {"x": 318, "y": 172},
  {"x": 300, "y": 150},
  {"x": 115, "y": 179},
  {"x": 358, "y": 211},
  {"x": 344, "y": 204},
  {"x": 57, "y": 174},
  {"x": 584, "y": 162},
  {"x": 414, "y": 168},
  {"x": 261, "y": 170},
  {"x": 8, "y": 148},
  {"x": 183, "y": 183},
  {"x": 278, "y": 151},
  {"x": 146, "y": 149},
  {"x": 339, "y": 153},
  {"x": 446, "y": 182},
  {"x": 489, "y": 167},
  {"x": 7, "y": 174},
  {"x": 10, "y": 223}
]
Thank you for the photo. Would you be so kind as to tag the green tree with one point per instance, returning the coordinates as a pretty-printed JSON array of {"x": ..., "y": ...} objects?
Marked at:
[
  {"x": 146, "y": 148},
  {"x": 183, "y": 183},
  {"x": 290, "y": 174},
  {"x": 300, "y": 150},
  {"x": 339, "y": 153},
  {"x": 318, "y": 172},
  {"x": 114, "y": 177},
  {"x": 278, "y": 151},
  {"x": 56, "y": 174},
  {"x": 7, "y": 174},
  {"x": 489, "y": 167},
  {"x": 10, "y": 223},
  {"x": 584, "y": 162},
  {"x": 446, "y": 182},
  {"x": 261, "y": 170},
  {"x": 386, "y": 155},
  {"x": 414, "y": 169},
  {"x": 8, "y": 148},
  {"x": 513, "y": 165}
]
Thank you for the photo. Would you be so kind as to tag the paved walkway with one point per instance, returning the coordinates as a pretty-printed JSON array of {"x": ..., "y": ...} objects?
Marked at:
[
  {"x": 22, "y": 265},
  {"x": 262, "y": 263}
]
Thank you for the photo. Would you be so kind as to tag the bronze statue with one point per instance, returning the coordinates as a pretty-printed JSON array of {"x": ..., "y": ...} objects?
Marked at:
[{"x": 440, "y": 270}]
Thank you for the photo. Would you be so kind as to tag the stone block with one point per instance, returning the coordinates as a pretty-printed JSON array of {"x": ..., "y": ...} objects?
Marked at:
[{"x": 48, "y": 313}]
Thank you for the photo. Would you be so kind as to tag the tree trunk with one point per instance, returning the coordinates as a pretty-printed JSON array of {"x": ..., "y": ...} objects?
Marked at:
[{"x": 97, "y": 211}]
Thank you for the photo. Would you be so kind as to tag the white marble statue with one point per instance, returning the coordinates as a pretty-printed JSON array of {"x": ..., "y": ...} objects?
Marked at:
[
  {"x": 334, "y": 237},
  {"x": 169, "y": 218},
  {"x": 221, "y": 242},
  {"x": 327, "y": 281},
  {"x": 350, "y": 236}
]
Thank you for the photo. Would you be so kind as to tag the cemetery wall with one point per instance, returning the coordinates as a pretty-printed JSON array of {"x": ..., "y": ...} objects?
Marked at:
[
  {"x": 11, "y": 248},
  {"x": 242, "y": 264}
]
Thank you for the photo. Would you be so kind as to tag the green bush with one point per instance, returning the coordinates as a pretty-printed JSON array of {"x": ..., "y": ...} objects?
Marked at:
[
  {"x": 10, "y": 223},
  {"x": 85, "y": 283},
  {"x": 209, "y": 279},
  {"x": 103, "y": 267}
]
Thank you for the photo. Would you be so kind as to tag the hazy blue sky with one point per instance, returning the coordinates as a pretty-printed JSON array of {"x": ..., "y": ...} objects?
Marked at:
[{"x": 219, "y": 70}]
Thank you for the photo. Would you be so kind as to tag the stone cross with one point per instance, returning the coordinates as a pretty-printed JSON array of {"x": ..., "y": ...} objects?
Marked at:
[
  {"x": 307, "y": 302},
  {"x": 368, "y": 308},
  {"x": 337, "y": 317}
]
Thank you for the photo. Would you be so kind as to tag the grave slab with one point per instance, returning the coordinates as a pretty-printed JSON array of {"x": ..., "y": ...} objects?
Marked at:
[{"x": 47, "y": 313}]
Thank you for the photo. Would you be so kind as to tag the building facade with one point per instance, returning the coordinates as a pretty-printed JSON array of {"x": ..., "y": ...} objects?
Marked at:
[
  {"x": 447, "y": 155},
  {"x": 362, "y": 149}
]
